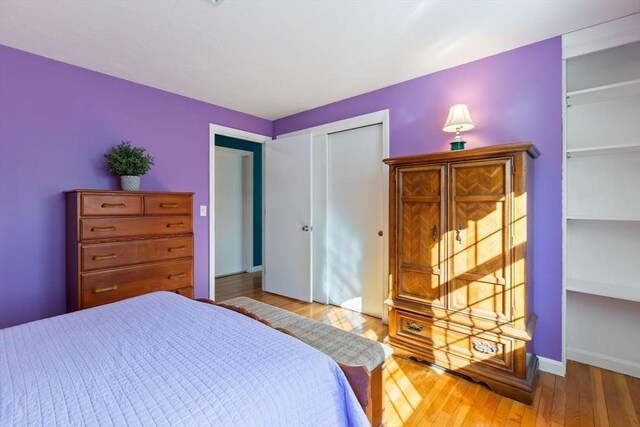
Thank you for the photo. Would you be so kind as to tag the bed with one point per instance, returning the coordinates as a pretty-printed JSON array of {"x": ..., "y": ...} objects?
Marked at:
[{"x": 162, "y": 359}]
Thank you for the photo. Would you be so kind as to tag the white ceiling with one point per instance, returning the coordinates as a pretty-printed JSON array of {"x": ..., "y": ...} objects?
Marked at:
[{"x": 272, "y": 58}]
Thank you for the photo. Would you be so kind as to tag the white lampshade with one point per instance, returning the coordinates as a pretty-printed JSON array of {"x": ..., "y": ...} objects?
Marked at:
[{"x": 459, "y": 119}]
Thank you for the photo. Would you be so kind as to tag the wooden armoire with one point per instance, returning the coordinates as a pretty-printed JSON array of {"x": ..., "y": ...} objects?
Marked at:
[{"x": 460, "y": 289}]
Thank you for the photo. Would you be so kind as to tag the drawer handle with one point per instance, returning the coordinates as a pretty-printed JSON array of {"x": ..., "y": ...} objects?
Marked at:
[
  {"x": 176, "y": 276},
  {"x": 434, "y": 233},
  {"x": 113, "y": 205},
  {"x": 102, "y": 257},
  {"x": 103, "y": 229},
  {"x": 175, "y": 224},
  {"x": 105, "y": 289},
  {"x": 413, "y": 326},
  {"x": 169, "y": 205},
  {"x": 484, "y": 347},
  {"x": 177, "y": 248},
  {"x": 459, "y": 235}
]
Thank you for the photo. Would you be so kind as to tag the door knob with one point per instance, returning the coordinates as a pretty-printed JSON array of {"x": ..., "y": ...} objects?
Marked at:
[
  {"x": 306, "y": 228},
  {"x": 380, "y": 233}
]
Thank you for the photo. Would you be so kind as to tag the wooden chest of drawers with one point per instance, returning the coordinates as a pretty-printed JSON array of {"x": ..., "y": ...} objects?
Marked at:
[{"x": 121, "y": 244}]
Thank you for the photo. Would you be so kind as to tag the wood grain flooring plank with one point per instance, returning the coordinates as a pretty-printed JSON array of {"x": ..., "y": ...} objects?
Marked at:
[
  {"x": 515, "y": 414},
  {"x": 594, "y": 407},
  {"x": 473, "y": 416},
  {"x": 619, "y": 414},
  {"x": 545, "y": 404},
  {"x": 633, "y": 384},
  {"x": 430, "y": 412},
  {"x": 626, "y": 400},
  {"x": 558, "y": 410},
  {"x": 466, "y": 404},
  {"x": 502, "y": 412},
  {"x": 572, "y": 400},
  {"x": 585, "y": 394}
]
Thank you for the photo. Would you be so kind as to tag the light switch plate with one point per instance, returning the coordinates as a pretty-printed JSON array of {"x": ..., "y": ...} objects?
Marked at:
[{"x": 203, "y": 210}]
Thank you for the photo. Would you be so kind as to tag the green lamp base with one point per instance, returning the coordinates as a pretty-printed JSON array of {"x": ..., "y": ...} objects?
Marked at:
[{"x": 457, "y": 145}]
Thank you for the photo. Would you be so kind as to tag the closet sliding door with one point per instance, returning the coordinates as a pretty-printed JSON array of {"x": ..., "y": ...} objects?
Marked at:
[{"x": 354, "y": 219}]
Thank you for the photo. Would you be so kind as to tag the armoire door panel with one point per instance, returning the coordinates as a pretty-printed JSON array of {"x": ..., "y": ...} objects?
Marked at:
[
  {"x": 480, "y": 254},
  {"x": 479, "y": 178},
  {"x": 421, "y": 286},
  {"x": 421, "y": 224},
  {"x": 421, "y": 228}
]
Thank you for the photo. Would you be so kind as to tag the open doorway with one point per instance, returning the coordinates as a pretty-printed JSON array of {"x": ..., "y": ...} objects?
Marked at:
[
  {"x": 233, "y": 211},
  {"x": 235, "y": 197}
]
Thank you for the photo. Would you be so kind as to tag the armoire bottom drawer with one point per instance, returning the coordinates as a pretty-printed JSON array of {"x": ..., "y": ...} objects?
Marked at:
[
  {"x": 484, "y": 348},
  {"x": 113, "y": 285}
]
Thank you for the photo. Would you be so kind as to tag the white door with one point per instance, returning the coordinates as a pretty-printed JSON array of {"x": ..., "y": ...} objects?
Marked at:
[
  {"x": 355, "y": 249},
  {"x": 287, "y": 221}
]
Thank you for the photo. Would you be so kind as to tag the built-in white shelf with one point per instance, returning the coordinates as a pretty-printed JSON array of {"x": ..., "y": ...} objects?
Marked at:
[
  {"x": 603, "y": 186},
  {"x": 603, "y": 289},
  {"x": 602, "y": 149},
  {"x": 604, "y": 93},
  {"x": 591, "y": 218},
  {"x": 601, "y": 219}
]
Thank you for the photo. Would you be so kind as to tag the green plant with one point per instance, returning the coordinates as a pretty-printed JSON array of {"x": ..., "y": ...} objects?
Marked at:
[{"x": 127, "y": 160}]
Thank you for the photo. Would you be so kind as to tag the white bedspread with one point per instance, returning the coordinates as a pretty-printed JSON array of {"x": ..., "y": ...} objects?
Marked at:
[{"x": 161, "y": 359}]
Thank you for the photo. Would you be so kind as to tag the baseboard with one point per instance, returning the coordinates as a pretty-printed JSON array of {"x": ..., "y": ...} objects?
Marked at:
[
  {"x": 255, "y": 269},
  {"x": 551, "y": 366},
  {"x": 604, "y": 362}
]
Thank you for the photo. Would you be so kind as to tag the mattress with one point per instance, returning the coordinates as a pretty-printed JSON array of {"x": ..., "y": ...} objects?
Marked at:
[{"x": 162, "y": 359}]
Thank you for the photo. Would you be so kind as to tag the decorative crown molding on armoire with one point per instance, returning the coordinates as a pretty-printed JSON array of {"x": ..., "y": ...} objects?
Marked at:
[{"x": 460, "y": 285}]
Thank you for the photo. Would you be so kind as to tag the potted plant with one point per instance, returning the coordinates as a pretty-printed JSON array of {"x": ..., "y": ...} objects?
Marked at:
[{"x": 129, "y": 163}]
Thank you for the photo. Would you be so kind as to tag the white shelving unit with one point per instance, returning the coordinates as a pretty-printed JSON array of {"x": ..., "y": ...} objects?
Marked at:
[{"x": 602, "y": 195}]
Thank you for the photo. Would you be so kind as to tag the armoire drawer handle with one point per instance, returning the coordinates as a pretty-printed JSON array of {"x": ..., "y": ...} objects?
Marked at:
[
  {"x": 113, "y": 205},
  {"x": 176, "y": 276},
  {"x": 484, "y": 347},
  {"x": 103, "y": 257},
  {"x": 176, "y": 248},
  {"x": 103, "y": 229},
  {"x": 434, "y": 233},
  {"x": 168, "y": 205},
  {"x": 459, "y": 235},
  {"x": 413, "y": 326},
  {"x": 175, "y": 224},
  {"x": 105, "y": 289}
]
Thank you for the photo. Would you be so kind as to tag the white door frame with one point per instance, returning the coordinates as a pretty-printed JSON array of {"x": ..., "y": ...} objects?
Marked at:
[
  {"x": 234, "y": 133},
  {"x": 378, "y": 117}
]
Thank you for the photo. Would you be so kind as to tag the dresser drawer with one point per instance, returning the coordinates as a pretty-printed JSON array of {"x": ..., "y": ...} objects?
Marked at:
[
  {"x": 483, "y": 348},
  {"x": 109, "y": 228},
  {"x": 113, "y": 285},
  {"x": 110, "y": 204},
  {"x": 167, "y": 204},
  {"x": 95, "y": 256}
]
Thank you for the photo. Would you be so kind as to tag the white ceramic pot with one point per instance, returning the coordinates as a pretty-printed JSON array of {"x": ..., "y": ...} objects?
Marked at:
[{"x": 130, "y": 182}]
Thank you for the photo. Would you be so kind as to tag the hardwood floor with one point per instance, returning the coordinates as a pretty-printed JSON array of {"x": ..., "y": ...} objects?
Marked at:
[{"x": 422, "y": 395}]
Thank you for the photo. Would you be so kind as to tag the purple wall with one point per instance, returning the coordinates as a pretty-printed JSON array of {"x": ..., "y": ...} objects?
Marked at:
[
  {"x": 56, "y": 121},
  {"x": 513, "y": 96}
]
